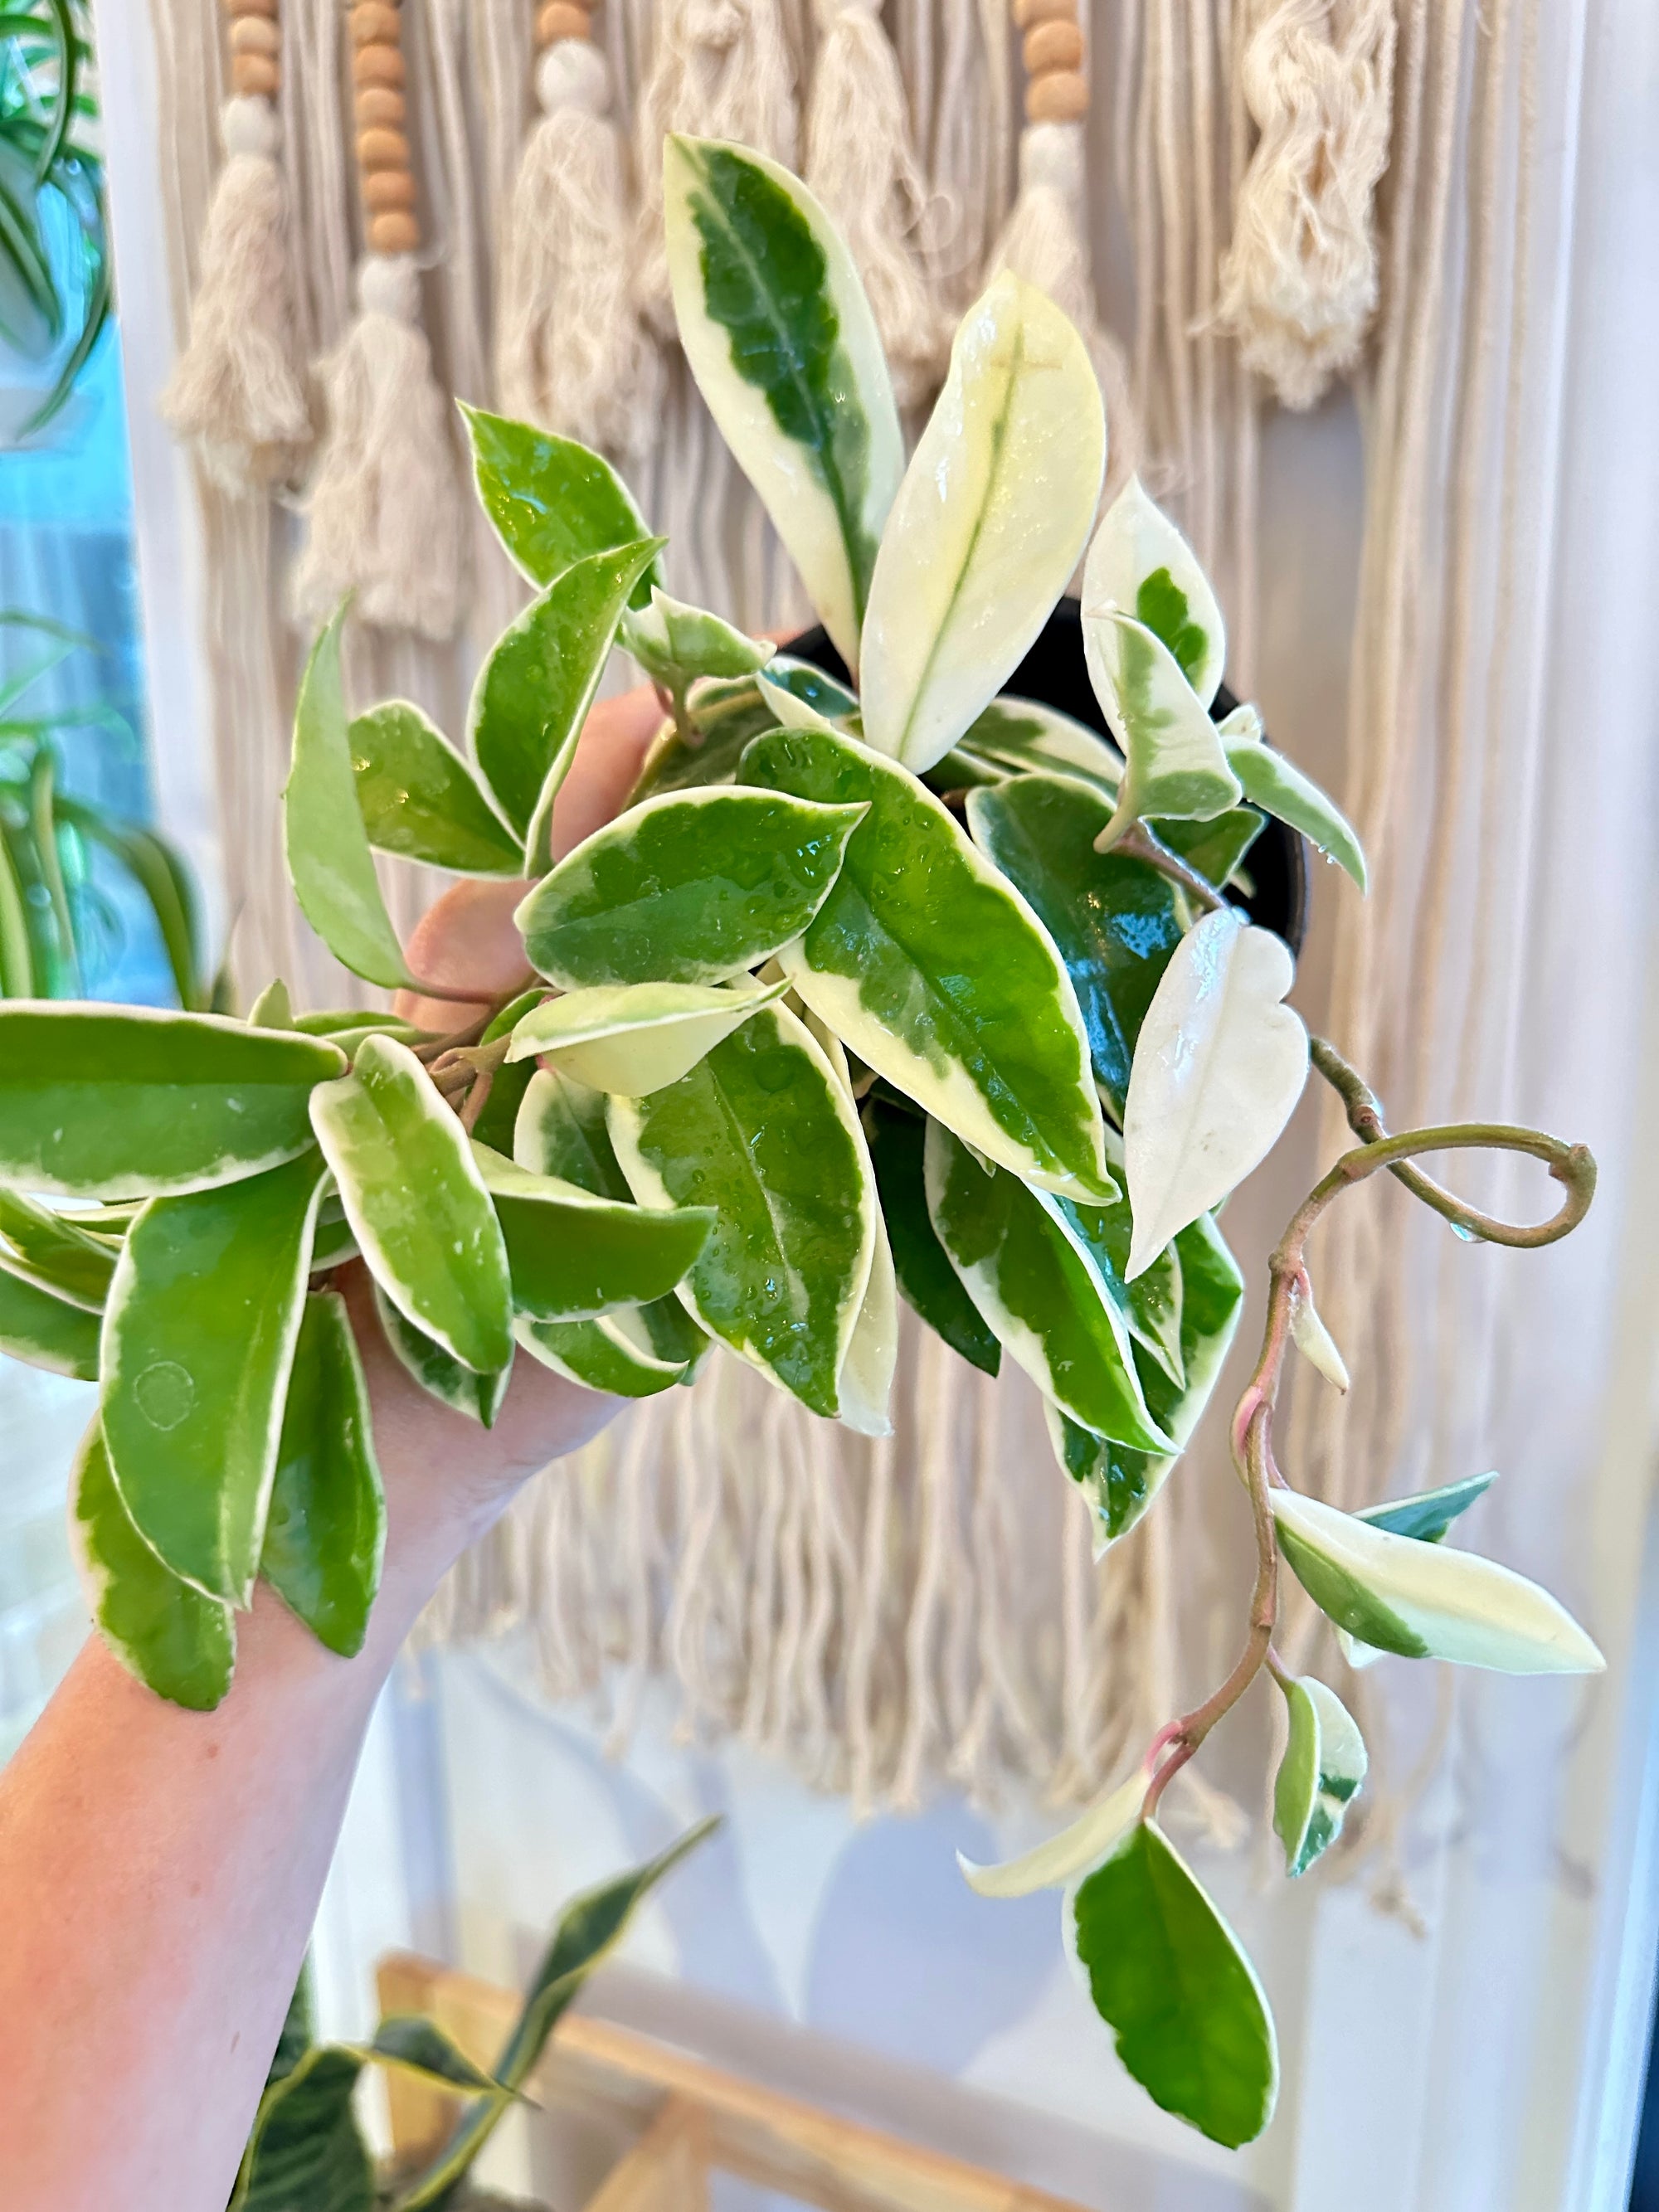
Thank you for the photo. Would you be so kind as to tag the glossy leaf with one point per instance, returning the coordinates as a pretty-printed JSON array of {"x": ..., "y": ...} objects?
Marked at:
[
  {"x": 926, "y": 962},
  {"x": 1022, "y": 736},
  {"x": 1429, "y": 1514},
  {"x": 636, "y": 1037},
  {"x": 989, "y": 522},
  {"x": 762, "y": 1131},
  {"x": 1115, "y": 920},
  {"x": 1151, "y": 1305},
  {"x": 1175, "y": 766},
  {"x": 1217, "y": 1070},
  {"x": 179, "y": 1642},
  {"x": 463, "y": 1389},
  {"x": 692, "y": 887},
  {"x": 675, "y": 642},
  {"x": 611, "y": 1352},
  {"x": 1059, "y": 1859},
  {"x": 133, "y": 1103},
  {"x": 782, "y": 343},
  {"x": 198, "y": 1340},
  {"x": 49, "y": 1250},
  {"x": 721, "y": 718},
  {"x": 1038, "y": 1286},
  {"x": 551, "y": 501},
  {"x": 895, "y": 1138},
  {"x": 1279, "y": 787},
  {"x": 329, "y": 860},
  {"x": 407, "y": 2043},
  {"x": 1121, "y": 1483},
  {"x": 1424, "y": 1601},
  {"x": 45, "y": 1331},
  {"x": 802, "y": 697},
  {"x": 1140, "y": 564},
  {"x": 865, "y": 1386},
  {"x": 326, "y": 1531},
  {"x": 1216, "y": 848},
  {"x": 306, "y": 2147},
  {"x": 495, "y": 1124},
  {"x": 420, "y": 799},
  {"x": 418, "y": 1203},
  {"x": 1322, "y": 1770},
  {"x": 533, "y": 691},
  {"x": 588, "y": 1930},
  {"x": 1167, "y": 1972},
  {"x": 573, "y": 1256}
]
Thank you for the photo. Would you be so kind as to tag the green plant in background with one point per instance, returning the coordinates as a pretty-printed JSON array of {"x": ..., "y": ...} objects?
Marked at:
[
  {"x": 50, "y": 909},
  {"x": 52, "y": 189},
  {"x": 903, "y": 988},
  {"x": 306, "y": 2149}
]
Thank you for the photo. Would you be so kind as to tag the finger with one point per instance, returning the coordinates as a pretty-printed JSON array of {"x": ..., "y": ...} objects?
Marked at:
[
  {"x": 467, "y": 939},
  {"x": 614, "y": 742}
]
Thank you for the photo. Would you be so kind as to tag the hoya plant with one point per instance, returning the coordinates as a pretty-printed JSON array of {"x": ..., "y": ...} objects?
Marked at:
[{"x": 893, "y": 987}]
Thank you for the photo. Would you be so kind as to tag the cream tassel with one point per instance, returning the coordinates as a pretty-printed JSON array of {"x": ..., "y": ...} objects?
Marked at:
[
  {"x": 721, "y": 69},
  {"x": 1299, "y": 283},
  {"x": 861, "y": 162},
  {"x": 1043, "y": 241},
  {"x": 384, "y": 507},
  {"x": 237, "y": 393},
  {"x": 570, "y": 353}
]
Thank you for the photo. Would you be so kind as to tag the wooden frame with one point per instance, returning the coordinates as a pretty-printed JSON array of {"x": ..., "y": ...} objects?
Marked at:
[{"x": 695, "y": 2119}]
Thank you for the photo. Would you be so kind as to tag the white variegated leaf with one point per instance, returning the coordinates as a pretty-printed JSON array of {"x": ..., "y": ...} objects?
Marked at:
[
  {"x": 1175, "y": 766},
  {"x": 1140, "y": 564},
  {"x": 1313, "y": 1339},
  {"x": 634, "y": 1038},
  {"x": 1052, "y": 1864}
]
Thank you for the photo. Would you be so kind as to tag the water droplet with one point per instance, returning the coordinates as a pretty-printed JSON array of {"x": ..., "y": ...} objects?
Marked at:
[
  {"x": 1468, "y": 1236},
  {"x": 164, "y": 1394}
]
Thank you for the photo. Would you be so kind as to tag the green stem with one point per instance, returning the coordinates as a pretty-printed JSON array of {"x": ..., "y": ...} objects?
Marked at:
[{"x": 1136, "y": 842}]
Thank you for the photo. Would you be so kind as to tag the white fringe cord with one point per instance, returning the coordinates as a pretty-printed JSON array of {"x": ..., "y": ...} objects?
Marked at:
[
  {"x": 237, "y": 393},
  {"x": 1299, "y": 283},
  {"x": 384, "y": 510},
  {"x": 570, "y": 351}
]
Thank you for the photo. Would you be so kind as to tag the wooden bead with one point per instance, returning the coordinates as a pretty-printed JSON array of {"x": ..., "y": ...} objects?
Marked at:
[
  {"x": 378, "y": 103},
  {"x": 395, "y": 232},
  {"x": 386, "y": 190},
  {"x": 375, "y": 24},
  {"x": 255, "y": 34},
  {"x": 1062, "y": 97},
  {"x": 381, "y": 150},
  {"x": 377, "y": 65},
  {"x": 1027, "y": 12},
  {"x": 1053, "y": 45},
  {"x": 562, "y": 19},
  {"x": 254, "y": 75},
  {"x": 237, "y": 8}
]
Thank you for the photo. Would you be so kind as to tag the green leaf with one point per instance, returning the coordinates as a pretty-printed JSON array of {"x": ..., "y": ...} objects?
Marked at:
[
  {"x": 1056, "y": 1861},
  {"x": 493, "y": 1126},
  {"x": 1037, "y": 1285},
  {"x": 329, "y": 860},
  {"x": 1219, "y": 1068},
  {"x": 802, "y": 697},
  {"x": 420, "y": 799},
  {"x": 560, "y": 1133},
  {"x": 1278, "y": 787},
  {"x": 44, "y": 1331},
  {"x": 49, "y": 1250},
  {"x": 272, "y": 1009},
  {"x": 1176, "y": 765},
  {"x": 636, "y": 1037},
  {"x": 1140, "y": 564},
  {"x": 612, "y": 1351},
  {"x": 533, "y": 692},
  {"x": 463, "y": 1389},
  {"x": 762, "y": 1131},
  {"x": 1021, "y": 737},
  {"x": 784, "y": 347},
  {"x": 180, "y": 1643},
  {"x": 573, "y": 1255},
  {"x": 198, "y": 1339},
  {"x": 138, "y": 1103},
  {"x": 1167, "y": 1972},
  {"x": 326, "y": 1531},
  {"x": 688, "y": 888},
  {"x": 1215, "y": 848},
  {"x": 417, "y": 1203},
  {"x": 549, "y": 501},
  {"x": 675, "y": 642},
  {"x": 931, "y": 1285},
  {"x": 1323, "y": 1767},
  {"x": 720, "y": 718},
  {"x": 1120, "y": 1483},
  {"x": 1424, "y": 1601},
  {"x": 864, "y": 1387},
  {"x": 991, "y": 518},
  {"x": 306, "y": 2149},
  {"x": 1115, "y": 920},
  {"x": 167, "y": 883},
  {"x": 299, "y": 2029},
  {"x": 409, "y": 2045},
  {"x": 926, "y": 962},
  {"x": 1428, "y": 1515},
  {"x": 589, "y": 1928},
  {"x": 16, "y": 954}
]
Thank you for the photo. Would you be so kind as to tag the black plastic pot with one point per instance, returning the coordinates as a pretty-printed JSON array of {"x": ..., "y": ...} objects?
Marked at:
[{"x": 1054, "y": 672}]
